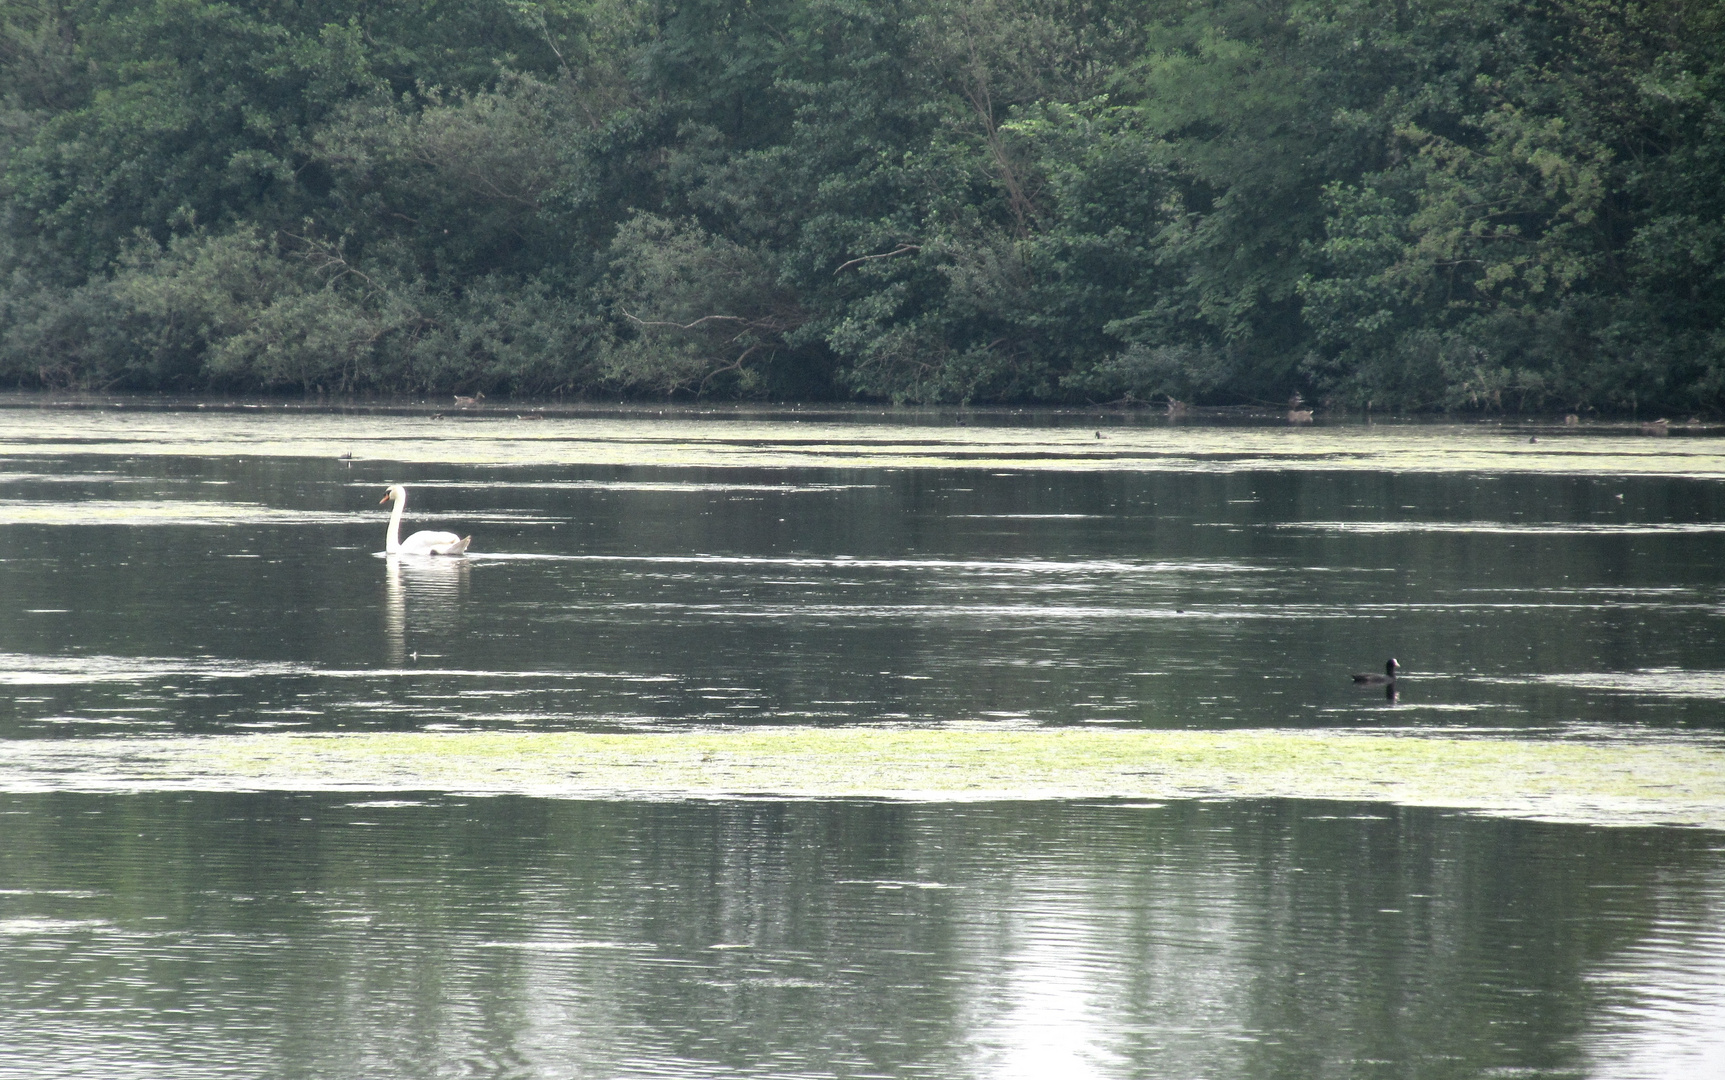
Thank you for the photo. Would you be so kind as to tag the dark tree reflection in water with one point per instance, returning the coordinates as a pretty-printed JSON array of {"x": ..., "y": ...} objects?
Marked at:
[{"x": 343, "y": 936}]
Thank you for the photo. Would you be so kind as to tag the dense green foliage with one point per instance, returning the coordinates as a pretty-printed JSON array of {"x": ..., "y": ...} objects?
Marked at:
[{"x": 1453, "y": 204}]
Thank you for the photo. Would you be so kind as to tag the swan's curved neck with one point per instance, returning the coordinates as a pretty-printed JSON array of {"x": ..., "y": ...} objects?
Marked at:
[{"x": 393, "y": 543}]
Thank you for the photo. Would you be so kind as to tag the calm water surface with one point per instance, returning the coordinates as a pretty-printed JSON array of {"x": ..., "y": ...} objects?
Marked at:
[{"x": 150, "y": 589}]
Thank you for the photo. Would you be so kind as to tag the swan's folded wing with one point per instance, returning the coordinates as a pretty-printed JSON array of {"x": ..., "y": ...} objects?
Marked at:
[{"x": 434, "y": 543}]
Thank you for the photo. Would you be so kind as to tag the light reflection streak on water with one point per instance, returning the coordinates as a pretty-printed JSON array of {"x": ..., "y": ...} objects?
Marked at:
[
  {"x": 152, "y": 692},
  {"x": 1100, "y": 941},
  {"x": 132, "y": 513},
  {"x": 1091, "y": 978},
  {"x": 437, "y": 586},
  {"x": 1507, "y": 528},
  {"x": 668, "y": 487},
  {"x": 22, "y": 670},
  {"x": 1016, "y": 566},
  {"x": 1665, "y": 1009},
  {"x": 868, "y": 441},
  {"x": 1662, "y": 682}
]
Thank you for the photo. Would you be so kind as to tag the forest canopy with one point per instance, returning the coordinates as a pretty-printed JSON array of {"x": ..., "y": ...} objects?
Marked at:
[{"x": 1423, "y": 204}]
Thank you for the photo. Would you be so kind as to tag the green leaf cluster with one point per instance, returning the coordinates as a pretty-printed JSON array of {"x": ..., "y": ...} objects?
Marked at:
[{"x": 1424, "y": 204}]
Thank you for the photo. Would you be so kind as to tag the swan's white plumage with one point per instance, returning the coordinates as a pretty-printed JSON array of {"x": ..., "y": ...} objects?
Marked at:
[{"x": 426, "y": 542}]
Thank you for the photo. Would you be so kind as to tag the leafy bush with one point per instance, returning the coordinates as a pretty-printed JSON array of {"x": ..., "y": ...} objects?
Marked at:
[{"x": 1438, "y": 204}]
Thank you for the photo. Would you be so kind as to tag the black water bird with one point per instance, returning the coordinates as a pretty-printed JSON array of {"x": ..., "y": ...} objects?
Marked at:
[{"x": 1372, "y": 678}]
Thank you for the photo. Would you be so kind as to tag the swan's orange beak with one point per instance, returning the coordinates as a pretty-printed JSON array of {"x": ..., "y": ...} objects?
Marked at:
[{"x": 388, "y": 495}]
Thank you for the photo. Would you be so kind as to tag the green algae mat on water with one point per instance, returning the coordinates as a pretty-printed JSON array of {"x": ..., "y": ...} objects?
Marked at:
[
  {"x": 499, "y": 438},
  {"x": 1600, "y": 782}
]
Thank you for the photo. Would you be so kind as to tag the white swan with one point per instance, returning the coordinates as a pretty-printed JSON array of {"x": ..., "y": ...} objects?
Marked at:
[{"x": 420, "y": 543}]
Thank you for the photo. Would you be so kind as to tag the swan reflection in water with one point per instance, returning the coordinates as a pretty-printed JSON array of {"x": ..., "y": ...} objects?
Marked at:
[{"x": 422, "y": 596}]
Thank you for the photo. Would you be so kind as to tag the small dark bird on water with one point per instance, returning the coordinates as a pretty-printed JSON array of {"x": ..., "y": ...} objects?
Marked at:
[{"x": 1372, "y": 678}]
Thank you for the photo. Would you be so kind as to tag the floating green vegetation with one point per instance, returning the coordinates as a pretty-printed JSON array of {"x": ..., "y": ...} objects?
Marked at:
[
  {"x": 687, "y": 440},
  {"x": 161, "y": 512},
  {"x": 1601, "y": 782}
]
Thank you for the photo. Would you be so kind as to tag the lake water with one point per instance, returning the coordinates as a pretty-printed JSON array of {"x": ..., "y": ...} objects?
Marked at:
[{"x": 179, "y": 583}]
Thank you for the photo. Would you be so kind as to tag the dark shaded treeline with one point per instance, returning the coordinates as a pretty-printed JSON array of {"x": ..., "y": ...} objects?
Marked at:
[{"x": 1431, "y": 204}]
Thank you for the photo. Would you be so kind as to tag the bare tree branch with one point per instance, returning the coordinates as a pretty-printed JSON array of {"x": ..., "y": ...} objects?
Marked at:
[
  {"x": 902, "y": 248},
  {"x": 682, "y": 326}
]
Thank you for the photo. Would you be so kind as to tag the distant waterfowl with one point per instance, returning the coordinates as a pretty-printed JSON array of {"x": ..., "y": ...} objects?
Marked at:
[
  {"x": 1372, "y": 678},
  {"x": 1660, "y": 426},
  {"x": 1299, "y": 416},
  {"x": 464, "y": 402},
  {"x": 424, "y": 542}
]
